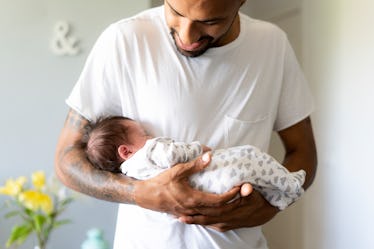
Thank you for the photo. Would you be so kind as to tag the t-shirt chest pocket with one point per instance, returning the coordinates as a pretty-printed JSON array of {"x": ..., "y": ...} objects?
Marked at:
[{"x": 256, "y": 131}]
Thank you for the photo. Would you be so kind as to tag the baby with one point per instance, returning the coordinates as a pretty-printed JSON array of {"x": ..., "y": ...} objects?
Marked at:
[{"x": 119, "y": 144}]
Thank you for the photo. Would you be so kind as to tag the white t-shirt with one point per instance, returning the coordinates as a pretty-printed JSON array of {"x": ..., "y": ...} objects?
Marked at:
[{"x": 231, "y": 95}]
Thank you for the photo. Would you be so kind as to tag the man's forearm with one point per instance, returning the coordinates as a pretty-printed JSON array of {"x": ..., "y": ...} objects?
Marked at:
[
  {"x": 294, "y": 162},
  {"x": 300, "y": 150},
  {"x": 77, "y": 173},
  {"x": 168, "y": 192}
]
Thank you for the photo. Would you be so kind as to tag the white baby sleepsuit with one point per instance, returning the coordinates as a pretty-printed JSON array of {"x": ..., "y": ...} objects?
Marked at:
[{"x": 229, "y": 167}]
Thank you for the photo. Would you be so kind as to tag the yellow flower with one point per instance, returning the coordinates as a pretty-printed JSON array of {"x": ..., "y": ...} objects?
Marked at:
[
  {"x": 13, "y": 187},
  {"x": 38, "y": 179},
  {"x": 46, "y": 204},
  {"x": 36, "y": 200},
  {"x": 34, "y": 205}
]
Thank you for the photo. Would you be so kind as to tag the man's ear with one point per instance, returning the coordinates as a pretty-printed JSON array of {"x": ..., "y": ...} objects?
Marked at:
[{"x": 124, "y": 152}]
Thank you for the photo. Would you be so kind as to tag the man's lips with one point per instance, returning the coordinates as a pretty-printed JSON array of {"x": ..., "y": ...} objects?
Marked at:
[{"x": 190, "y": 47}]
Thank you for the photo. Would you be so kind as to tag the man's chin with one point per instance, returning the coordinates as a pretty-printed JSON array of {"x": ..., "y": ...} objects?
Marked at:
[
  {"x": 194, "y": 53},
  {"x": 191, "y": 53}
]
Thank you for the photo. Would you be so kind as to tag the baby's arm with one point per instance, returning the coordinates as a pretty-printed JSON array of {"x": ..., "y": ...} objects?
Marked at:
[{"x": 165, "y": 152}]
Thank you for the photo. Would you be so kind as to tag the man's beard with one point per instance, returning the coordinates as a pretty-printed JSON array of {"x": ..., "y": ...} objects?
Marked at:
[{"x": 193, "y": 53}]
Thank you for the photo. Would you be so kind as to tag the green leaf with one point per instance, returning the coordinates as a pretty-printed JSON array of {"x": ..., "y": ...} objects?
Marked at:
[
  {"x": 66, "y": 201},
  {"x": 19, "y": 234},
  {"x": 11, "y": 214},
  {"x": 61, "y": 222},
  {"x": 28, "y": 212},
  {"x": 39, "y": 221}
]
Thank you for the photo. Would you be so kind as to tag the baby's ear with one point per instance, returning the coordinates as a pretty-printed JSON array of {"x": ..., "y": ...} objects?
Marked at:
[{"x": 124, "y": 152}]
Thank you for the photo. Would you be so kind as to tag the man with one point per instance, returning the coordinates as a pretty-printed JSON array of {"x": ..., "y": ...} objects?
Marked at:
[{"x": 190, "y": 70}]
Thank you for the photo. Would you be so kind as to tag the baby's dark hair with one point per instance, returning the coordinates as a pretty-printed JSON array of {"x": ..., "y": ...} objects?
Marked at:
[{"x": 101, "y": 141}]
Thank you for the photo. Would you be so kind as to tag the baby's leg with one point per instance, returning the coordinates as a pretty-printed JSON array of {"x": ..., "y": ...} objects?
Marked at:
[
  {"x": 278, "y": 198},
  {"x": 273, "y": 175},
  {"x": 234, "y": 166}
]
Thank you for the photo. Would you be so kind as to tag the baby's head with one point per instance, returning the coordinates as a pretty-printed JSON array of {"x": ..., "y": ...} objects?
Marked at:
[{"x": 112, "y": 140}]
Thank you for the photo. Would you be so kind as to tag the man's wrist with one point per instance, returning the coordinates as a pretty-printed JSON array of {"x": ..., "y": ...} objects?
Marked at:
[{"x": 131, "y": 189}]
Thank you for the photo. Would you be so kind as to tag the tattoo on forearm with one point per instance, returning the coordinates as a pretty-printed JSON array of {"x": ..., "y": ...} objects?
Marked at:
[
  {"x": 130, "y": 191},
  {"x": 75, "y": 120},
  {"x": 85, "y": 178},
  {"x": 64, "y": 153},
  {"x": 97, "y": 183}
]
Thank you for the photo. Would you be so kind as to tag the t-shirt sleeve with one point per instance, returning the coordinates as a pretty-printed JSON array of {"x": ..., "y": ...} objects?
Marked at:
[
  {"x": 95, "y": 93},
  {"x": 296, "y": 100}
]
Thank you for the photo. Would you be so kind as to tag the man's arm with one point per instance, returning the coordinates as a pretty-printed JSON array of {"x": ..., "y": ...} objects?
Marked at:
[
  {"x": 76, "y": 172},
  {"x": 300, "y": 147},
  {"x": 254, "y": 210},
  {"x": 168, "y": 192}
]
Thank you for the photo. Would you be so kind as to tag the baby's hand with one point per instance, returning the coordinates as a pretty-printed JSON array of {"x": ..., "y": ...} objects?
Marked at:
[{"x": 205, "y": 148}]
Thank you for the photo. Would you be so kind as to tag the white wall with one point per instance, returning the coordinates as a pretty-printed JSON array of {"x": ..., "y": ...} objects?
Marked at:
[
  {"x": 33, "y": 86},
  {"x": 339, "y": 58}
]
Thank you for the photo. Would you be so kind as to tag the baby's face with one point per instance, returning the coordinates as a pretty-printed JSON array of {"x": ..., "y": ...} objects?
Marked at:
[{"x": 137, "y": 135}]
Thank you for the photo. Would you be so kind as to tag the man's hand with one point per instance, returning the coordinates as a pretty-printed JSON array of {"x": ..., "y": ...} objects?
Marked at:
[
  {"x": 248, "y": 211},
  {"x": 205, "y": 148},
  {"x": 171, "y": 192},
  {"x": 254, "y": 210}
]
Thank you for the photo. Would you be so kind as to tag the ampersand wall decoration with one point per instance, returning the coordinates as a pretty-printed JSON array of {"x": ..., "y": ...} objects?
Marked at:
[{"x": 62, "y": 42}]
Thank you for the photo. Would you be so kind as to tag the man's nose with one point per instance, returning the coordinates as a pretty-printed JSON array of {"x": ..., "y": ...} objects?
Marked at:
[{"x": 188, "y": 32}]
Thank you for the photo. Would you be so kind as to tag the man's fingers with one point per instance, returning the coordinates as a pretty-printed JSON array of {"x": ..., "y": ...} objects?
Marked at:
[
  {"x": 210, "y": 200},
  {"x": 209, "y": 204},
  {"x": 199, "y": 219},
  {"x": 223, "y": 209},
  {"x": 197, "y": 202},
  {"x": 187, "y": 169},
  {"x": 246, "y": 189}
]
